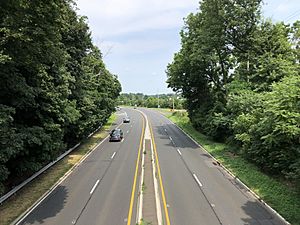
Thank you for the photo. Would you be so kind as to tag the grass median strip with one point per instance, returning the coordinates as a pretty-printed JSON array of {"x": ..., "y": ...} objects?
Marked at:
[
  {"x": 28, "y": 195},
  {"x": 280, "y": 195}
]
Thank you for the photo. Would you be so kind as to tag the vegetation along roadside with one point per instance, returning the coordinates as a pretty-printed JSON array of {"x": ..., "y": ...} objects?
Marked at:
[
  {"x": 281, "y": 196},
  {"x": 27, "y": 196}
]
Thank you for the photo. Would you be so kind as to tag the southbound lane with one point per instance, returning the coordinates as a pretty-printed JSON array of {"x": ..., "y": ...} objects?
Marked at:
[
  {"x": 98, "y": 191},
  {"x": 198, "y": 191}
]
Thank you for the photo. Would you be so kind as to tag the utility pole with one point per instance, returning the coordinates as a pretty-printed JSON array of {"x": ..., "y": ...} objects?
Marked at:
[{"x": 173, "y": 102}]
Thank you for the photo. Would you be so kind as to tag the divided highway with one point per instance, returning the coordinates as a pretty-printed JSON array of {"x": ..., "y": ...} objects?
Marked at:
[{"x": 103, "y": 189}]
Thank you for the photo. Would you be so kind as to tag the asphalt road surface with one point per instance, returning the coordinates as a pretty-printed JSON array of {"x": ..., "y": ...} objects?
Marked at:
[
  {"x": 99, "y": 190},
  {"x": 197, "y": 191}
]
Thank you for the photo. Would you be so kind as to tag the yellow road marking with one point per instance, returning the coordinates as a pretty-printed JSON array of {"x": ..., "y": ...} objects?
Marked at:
[
  {"x": 135, "y": 175},
  {"x": 159, "y": 176}
]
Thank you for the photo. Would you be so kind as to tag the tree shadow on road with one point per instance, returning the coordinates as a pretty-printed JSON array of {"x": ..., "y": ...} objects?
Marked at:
[
  {"x": 180, "y": 139},
  {"x": 258, "y": 214},
  {"x": 50, "y": 207}
]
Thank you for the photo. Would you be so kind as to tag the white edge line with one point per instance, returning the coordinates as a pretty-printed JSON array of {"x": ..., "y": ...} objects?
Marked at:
[
  {"x": 46, "y": 194},
  {"x": 197, "y": 180},
  {"x": 113, "y": 155},
  {"x": 179, "y": 151},
  {"x": 230, "y": 173},
  {"x": 157, "y": 196},
  {"x": 141, "y": 194},
  {"x": 94, "y": 187}
]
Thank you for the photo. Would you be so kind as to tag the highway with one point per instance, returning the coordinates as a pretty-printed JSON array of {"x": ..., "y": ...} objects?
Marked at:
[
  {"x": 197, "y": 190},
  {"x": 99, "y": 190},
  {"x": 103, "y": 189}
]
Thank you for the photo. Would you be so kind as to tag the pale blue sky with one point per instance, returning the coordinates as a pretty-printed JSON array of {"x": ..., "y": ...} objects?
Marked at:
[{"x": 138, "y": 38}]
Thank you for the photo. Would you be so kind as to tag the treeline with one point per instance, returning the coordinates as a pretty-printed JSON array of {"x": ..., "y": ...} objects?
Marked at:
[
  {"x": 151, "y": 101},
  {"x": 54, "y": 87},
  {"x": 240, "y": 76}
]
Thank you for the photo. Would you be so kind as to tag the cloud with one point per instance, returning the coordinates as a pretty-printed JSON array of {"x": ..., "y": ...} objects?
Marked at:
[
  {"x": 133, "y": 47},
  {"x": 282, "y": 10},
  {"x": 109, "y": 18}
]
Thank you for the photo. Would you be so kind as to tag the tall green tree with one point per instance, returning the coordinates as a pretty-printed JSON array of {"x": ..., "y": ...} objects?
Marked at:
[
  {"x": 240, "y": 77},
  {"x": 212, "y": 41},
  {"x": 49, "y": 84}
]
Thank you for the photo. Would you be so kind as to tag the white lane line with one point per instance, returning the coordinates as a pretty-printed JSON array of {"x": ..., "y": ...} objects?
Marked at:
[
  {"x": 179, "y": 151},
  {"x": 20, "y": 219},
  {"x": 197, "y": 180},
  {"x": 127, "y": 132},
  {"x": 95, "y": 185},
  {"x": 171, "y": 139},
  {"x": 113, "y": 155},
  {"x": 165, "y": 130}
]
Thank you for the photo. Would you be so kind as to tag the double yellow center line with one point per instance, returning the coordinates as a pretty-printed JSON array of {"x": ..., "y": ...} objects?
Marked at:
[
  {"x": 159, "y": 177},
  {"x": 136, "y": 174}
]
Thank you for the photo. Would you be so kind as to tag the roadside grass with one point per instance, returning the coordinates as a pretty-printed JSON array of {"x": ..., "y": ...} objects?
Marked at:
[
  {"x": 27, "y": 196},
  {"x": 281, "y": 196},
  {"x": 143, "y": 222}
]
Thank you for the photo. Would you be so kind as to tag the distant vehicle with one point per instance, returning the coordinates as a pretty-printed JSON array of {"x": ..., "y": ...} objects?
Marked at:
[
  {"x": 117, "y": 108},
  {"x": 116, "y": 135},
  {"x": 135, "y": 106},
  {"x": 126, "y": 119}
]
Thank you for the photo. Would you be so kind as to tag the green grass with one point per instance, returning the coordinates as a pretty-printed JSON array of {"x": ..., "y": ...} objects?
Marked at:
[
  {"x": 143, "y": 222},
  {"x": 280, "y": 195},
  {"x": 26, "y": 197}
]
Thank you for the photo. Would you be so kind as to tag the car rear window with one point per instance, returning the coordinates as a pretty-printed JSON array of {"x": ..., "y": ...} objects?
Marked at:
[{"x": 116, "y": 132}]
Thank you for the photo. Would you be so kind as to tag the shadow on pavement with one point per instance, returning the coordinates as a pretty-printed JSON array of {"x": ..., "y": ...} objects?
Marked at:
[
  {"x": 259, "y": 215},
  {"x": 180, "y": 140},
  {"x": 50, "y": 207}
]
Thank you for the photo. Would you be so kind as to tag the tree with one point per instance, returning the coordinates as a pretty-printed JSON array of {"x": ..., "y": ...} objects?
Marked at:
[
  {"x": 50, "y": 92},
  {"x": 212, "y": 41}
]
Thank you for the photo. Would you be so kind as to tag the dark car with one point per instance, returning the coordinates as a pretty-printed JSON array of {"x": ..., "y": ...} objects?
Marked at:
[
  {"x": 126, "y": 119},
  {"x": 116, "y": 135}
]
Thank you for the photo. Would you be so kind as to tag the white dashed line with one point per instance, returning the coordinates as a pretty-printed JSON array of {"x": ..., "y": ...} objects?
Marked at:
[
  {"x": 113, "y": 155},
  {"x": 93, "y": 189},
  {"x": 179, "y": 152},
  {"x": 197, "y": 180},
  {"x": 171, "y": 139}
]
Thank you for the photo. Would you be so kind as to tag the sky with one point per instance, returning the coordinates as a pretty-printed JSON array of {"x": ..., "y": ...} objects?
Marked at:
[{"x": 138, "y": 38}]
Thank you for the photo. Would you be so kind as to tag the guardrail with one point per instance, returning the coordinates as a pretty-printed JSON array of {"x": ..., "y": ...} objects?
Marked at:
[{"x": 20, "y": 186}]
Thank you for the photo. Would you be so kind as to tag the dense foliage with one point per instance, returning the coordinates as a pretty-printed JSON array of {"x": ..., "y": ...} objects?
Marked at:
[
  {"x": 151, "y": 101},
  {"x": 240, "y": 76},
  {"x": 54, "y": 88}
]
